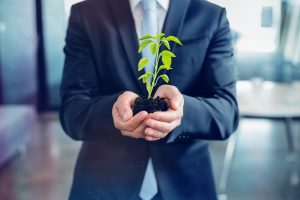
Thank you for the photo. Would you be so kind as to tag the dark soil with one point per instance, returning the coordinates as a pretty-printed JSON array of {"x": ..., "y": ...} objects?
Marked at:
[{"x": 150, "y": 105}]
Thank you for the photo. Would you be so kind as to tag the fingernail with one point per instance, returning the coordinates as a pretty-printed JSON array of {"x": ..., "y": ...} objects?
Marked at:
[{"x": 145, "y": 113}]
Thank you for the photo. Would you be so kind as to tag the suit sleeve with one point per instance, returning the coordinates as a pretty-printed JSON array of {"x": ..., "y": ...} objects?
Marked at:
[
  {"x": 84, "y": 113},
  {"x": 212, "y": 114}
]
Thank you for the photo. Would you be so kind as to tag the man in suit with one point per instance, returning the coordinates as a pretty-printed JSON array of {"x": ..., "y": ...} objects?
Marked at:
[{"x": 100, "y": 84}]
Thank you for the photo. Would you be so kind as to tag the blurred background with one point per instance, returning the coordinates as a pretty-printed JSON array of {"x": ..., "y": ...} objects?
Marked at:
[{"x": 260, "y": 161}]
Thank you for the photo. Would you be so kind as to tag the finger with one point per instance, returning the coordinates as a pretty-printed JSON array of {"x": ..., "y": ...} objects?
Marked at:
[
  {"x": 134, "y": 122},
  {"x": 124, "y": 110},
  {"x": 163, "y": 127},
  {"x": 139, "y": 132},
  {"x": 171, "y": 93},
  {"x": 149, "y": 132},
  {"x": 117, "y": 118},
  {"x": 130, "y": 125},
  {"x": 167, "y": 116},
  {"x": 151, "y": 139},
  {"x": 124, "y": 103},
  {"x": 126, "y": 113}
]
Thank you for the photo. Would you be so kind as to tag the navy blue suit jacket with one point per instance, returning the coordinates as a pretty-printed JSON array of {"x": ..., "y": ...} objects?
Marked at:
[{"x": 101, "y": 62}]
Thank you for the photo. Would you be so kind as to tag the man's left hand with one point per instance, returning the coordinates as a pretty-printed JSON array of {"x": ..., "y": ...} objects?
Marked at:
[{"x": 160, "y": 124}]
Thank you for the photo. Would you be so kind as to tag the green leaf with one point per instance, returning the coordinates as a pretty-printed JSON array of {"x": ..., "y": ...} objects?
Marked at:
[
  {"x": 142, "y": 64},
  {"x": 154, "y": 48},
  {"x": 142, "y": 76},
  {"x": 167, "y": 53},
  {"x": 165, "y": 78},
  {"x": 174, "y": 39},
  {"x": 145, "y": 76},
  {"x": 147, "y": 36},
  {"x": 167, "y": 60},
  {"x": 161, "y": 35},
  {"x": 158, "y": 36},
  {"x": 162, "y": 67},
  {"x": 144, "y": 44},
  {"x": 167, "y": 44},
  {"x": 149, "y": 89}
]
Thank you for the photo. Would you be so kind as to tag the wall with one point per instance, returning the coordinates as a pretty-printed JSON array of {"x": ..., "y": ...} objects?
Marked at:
[
  {"x": 18, "y": 43},
  {"x": 54, "y": 26}
]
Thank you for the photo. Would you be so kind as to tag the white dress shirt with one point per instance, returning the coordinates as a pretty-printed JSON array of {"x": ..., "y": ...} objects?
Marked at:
[{"x": 137, "y": 12}]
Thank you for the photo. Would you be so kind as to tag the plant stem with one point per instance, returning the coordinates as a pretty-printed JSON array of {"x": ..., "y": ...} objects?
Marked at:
[{"x": 154, "y": 82}]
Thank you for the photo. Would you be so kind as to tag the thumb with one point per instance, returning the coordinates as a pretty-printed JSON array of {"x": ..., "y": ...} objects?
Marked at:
[
  {"x": 124, "y": 106},
  {"x": 126, "y": 114},
  {"x": 171, "y": 94}
]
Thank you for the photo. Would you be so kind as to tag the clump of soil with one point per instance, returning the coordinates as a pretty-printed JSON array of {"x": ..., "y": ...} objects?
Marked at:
[{"x": 150, "y": 105}]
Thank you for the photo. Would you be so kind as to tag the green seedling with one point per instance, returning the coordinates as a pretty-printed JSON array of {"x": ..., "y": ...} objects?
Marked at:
[{"x": 155, "y": 43}]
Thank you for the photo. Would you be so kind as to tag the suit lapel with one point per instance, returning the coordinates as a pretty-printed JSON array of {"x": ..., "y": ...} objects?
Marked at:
[
  {"x": 126, "y": 27},
  {"x": 174, "y": 22}
]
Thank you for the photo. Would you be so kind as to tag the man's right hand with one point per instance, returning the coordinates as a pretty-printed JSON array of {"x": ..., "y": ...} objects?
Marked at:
[{"x": 129, "y": 125}]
